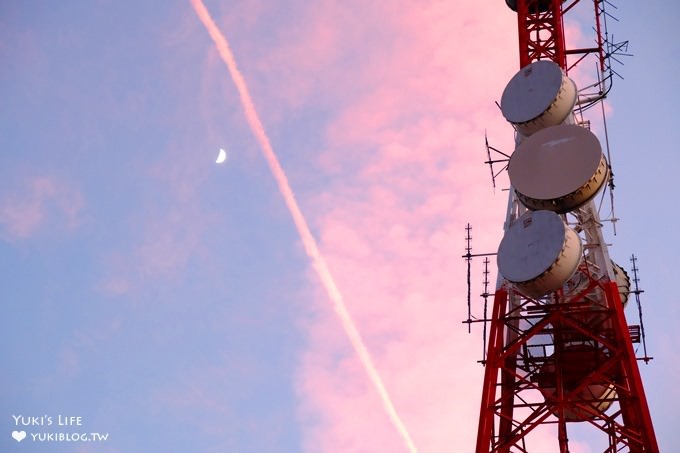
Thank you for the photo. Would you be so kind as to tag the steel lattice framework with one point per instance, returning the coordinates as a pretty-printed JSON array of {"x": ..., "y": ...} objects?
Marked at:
[
  {"x": 565, "y": 358},
  {"x": 541, "y": 31}
]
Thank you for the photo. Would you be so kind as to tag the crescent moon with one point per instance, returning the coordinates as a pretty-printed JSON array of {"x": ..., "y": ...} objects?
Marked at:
[{"x": 221, "y": 157}]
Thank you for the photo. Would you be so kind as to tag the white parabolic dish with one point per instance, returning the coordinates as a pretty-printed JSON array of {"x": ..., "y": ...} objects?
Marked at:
[
  {"x": 540, "y": 89},
  {"x": 539, "y": 252},
  {"x": 557, "y": 162}
]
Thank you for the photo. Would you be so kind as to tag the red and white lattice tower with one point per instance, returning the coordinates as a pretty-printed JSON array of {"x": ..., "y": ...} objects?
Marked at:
[{"x": 560, "y": 361}]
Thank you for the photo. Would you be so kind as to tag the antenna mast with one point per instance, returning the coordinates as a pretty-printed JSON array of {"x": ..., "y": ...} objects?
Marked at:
[{"x": 560, "y": 352}]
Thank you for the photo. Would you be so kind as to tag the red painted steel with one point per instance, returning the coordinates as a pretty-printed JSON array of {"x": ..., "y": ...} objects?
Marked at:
[
  {"x": 565, "y": 351},
  {"x": 541, "y": 32}
]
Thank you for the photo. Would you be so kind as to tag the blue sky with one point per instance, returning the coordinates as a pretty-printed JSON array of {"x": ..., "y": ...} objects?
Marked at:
[{"x": 168, "y": 301}]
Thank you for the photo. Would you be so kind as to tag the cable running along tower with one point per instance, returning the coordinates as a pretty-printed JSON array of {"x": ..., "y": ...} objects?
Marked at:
[{"x": 560, "y": 361}]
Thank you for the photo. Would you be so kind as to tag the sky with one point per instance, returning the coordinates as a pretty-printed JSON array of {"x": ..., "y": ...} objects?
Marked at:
[{"x": 169, "y": 303}]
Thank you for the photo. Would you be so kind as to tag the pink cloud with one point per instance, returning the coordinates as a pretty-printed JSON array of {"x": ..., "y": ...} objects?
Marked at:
[
  {"x": 115, "y": 285},
  {"x": 404, "y": 157},
  {"x": 42, "y": 201}
]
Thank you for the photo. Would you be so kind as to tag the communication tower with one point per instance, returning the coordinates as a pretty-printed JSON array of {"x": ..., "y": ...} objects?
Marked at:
[{"x": 560, "y": 357}]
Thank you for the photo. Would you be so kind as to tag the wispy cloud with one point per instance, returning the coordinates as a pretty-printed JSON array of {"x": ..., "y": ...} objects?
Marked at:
[
  {"x": 169, "y": 229},
  {"x": 38, "y": 203},
  {"x": 404, "y": 161}
]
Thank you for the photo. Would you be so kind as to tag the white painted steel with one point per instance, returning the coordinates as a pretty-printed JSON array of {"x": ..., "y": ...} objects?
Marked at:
[
  {"x": 539, "y": 253},
  {"x": 558, "y": 168},
  {"x": 580, "y": 281},
  {"x": 623, "y": 283},
  {"x": 538, "y": 96}
]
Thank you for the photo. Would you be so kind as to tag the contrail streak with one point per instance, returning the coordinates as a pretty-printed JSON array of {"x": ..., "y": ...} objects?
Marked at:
[{"x": 318, "y": 261}]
